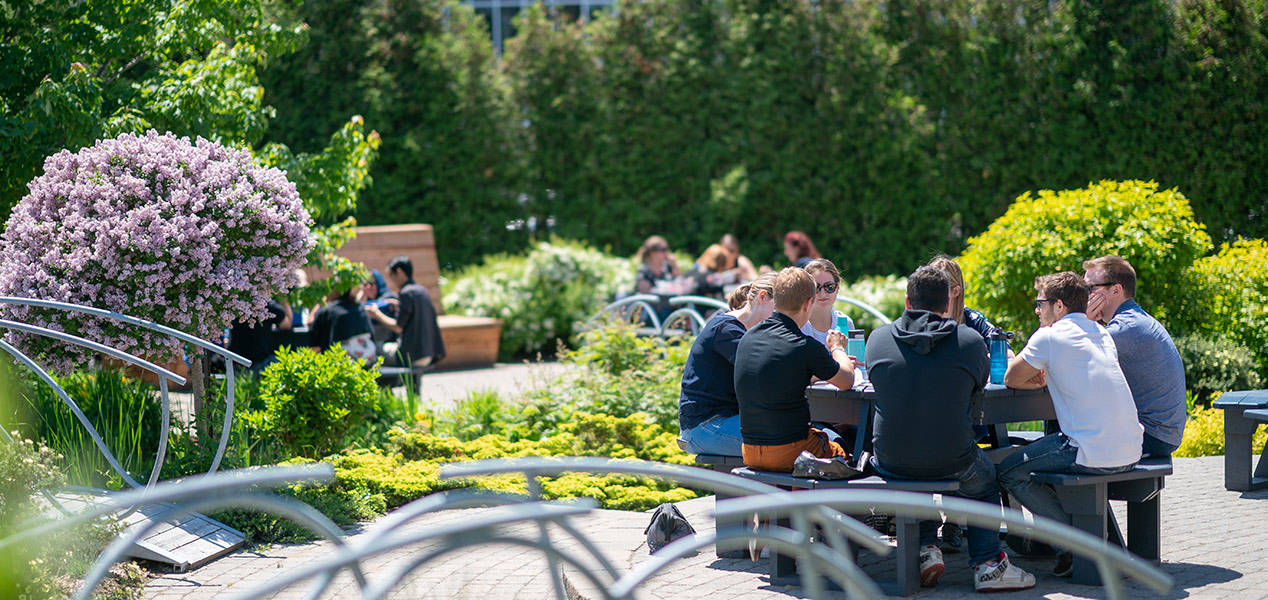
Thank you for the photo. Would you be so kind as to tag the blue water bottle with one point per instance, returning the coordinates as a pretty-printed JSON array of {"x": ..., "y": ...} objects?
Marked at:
[
  {"x": 854, "y": 346},
  {"x": 843, "y": 324},
  {"x": 999, "y": 355}
]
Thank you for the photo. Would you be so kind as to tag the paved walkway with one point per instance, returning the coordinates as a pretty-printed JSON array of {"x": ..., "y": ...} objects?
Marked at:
[{"x": 1213, "y": 544}]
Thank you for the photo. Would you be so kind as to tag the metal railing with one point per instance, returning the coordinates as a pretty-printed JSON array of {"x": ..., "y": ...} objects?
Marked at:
[
  {"x": 872, "y": 310},
  {"x": 163, "y": 375},
  {"x": 814, "y": 516}
]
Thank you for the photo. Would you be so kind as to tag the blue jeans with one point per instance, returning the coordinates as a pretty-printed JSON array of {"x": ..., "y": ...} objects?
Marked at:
[
  {"x": 1156, "y": 447},
  {"x": 1052, "y": 454},
  {"x": 718, "y": 435},
  {"x": 977, "y": 482}
]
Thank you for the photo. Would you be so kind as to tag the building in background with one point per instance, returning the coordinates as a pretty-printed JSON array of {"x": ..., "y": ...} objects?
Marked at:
[{"x": 500, "y": 13}]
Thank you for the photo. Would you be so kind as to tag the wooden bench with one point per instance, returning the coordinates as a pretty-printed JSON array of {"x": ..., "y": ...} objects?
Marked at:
[
  {"x": 907, "y": 569},
  {"x": 1086, "y": 497},
  {"x": 469, "y": 341},
  {"x": 1243, "y": 413}
]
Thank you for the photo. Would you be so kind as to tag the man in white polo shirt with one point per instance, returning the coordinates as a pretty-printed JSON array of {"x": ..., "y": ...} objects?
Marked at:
[{"x": 1077, "y": 360}]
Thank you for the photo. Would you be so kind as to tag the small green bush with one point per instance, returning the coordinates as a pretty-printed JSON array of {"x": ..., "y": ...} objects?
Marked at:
[
  {"x": 540, "y": 296},
  {"x": 312, "y": 399},
  {"x": 1212, "y": 366},
  {"x": 1227, "y": 296},
  {"x": 1204, "y": 434},
  {"x": 1056, "y": 231}
]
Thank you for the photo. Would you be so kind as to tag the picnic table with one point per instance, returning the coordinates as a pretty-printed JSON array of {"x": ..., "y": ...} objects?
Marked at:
[{"x": 995, "y": 407}]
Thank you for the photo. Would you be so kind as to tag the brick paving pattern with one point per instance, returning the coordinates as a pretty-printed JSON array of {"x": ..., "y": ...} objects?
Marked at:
[{"x": 1213, "y": 544}]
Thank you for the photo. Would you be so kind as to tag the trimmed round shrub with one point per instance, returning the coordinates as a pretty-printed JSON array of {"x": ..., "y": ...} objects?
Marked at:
[
  {"x": 189, "y": 234},
  {"x": 313, "y": 399},
  {"x": 1227, "y": 296},
  {"x": 540, "y": 296},
  {"x": 1057, "y": 230}
]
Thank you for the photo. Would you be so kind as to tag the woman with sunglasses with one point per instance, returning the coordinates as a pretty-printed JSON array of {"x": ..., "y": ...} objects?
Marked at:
[
  {"x": 823, "y": 315},
  {"x": 708, "y": 411},
  {"x": 657, "y": 264}
]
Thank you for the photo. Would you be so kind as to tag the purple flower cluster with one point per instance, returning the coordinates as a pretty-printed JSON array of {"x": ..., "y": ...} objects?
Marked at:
[{"x": 192, "y": 235}]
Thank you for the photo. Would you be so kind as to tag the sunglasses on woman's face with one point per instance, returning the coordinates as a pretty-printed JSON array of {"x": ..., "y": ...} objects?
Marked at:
[{"x": 826, "y": 288}]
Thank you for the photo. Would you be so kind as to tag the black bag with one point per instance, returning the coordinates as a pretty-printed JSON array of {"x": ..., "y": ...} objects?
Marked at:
[{"x": 667, "y": 525}]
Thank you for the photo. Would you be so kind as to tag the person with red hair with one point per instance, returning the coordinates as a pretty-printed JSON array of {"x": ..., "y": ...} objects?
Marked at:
[{"x": 799, "y": 249}]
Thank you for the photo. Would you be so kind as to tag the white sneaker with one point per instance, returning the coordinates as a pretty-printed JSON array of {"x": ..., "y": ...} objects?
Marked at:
[
  {"x": 931, "y": 565},
  {"x": 1001, "y": 576}
]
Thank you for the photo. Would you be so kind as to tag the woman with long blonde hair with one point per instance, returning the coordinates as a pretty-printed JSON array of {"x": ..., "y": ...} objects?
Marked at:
[
  {"x": 955, "y": 308},
  {"x": 708, "y": 412}
]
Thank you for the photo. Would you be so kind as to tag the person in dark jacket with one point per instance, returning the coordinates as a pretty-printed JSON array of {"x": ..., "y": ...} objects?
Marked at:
[
  {"x": 925, "y": 369},
  {"x": 421, "y": 344},
  {"x": 256, "y": 341}
]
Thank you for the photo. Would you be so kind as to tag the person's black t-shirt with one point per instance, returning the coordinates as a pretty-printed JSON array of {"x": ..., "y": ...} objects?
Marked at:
[
  {"x": 773, "y": 366},
  {"x": 255, "y": 342},
  {"x": 338, "y": 321},
  {"x": 925, "y": 370},
  {"x": 420, "y": 332},
  {"x": 708, "y": 379}
]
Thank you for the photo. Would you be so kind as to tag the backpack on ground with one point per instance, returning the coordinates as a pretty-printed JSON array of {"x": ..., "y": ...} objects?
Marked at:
[{"x": 667, "y": 525}]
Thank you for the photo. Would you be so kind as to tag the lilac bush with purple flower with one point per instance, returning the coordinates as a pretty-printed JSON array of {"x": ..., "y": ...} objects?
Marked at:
[{"x": 193, "y": 235}]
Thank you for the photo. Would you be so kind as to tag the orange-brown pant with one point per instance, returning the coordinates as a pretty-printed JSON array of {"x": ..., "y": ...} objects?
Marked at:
[{"x": 781, "y": 457}]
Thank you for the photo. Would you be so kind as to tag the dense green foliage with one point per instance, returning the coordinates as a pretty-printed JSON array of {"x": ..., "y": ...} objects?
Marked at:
[
  {"x": 541, "y": 295},
  {"x": 1204, "y": 434},
  {"x": 423, "y": 75},
  {"x": 1057, "y": 230},
  {"x": 887, "y": 130},
  {"x": 312, "y": 399},
  {"x": 1227, "y": 294},
  {"x": 72, "y": 72},
  {"x": 1217, "y": 365},
  {"x": 126, "y": 413}
]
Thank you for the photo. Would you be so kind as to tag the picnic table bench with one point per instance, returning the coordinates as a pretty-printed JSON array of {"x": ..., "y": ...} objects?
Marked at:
[{"x": 1244, "y": 411}]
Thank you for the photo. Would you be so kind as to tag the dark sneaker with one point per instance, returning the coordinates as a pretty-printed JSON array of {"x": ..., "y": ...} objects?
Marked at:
[
  {"x": 931, "y": 565},
  {"x": 1065, "y": 565},
  {"x": 1001, "y": 575},
  {"x": 1023, "y": 546},
  {"x": 808, "y": 465},
  {"x": 952, "y": 539}
]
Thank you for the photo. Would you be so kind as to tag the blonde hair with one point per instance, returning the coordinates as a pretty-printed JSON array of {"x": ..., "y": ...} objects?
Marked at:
[
  {"x": 747, "y": 292},
  {"x": 793, "y": 288},
  {"x": 715, "y": 258},
  {"x": 652, "y": 241},
  {"x": 947, "y": 265}
]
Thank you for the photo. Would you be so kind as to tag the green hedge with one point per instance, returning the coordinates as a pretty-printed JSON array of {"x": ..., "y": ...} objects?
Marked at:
[{"x": 887, "y": 130}]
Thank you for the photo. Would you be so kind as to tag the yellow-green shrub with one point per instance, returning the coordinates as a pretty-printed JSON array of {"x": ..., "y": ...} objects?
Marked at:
[
  {"x": 1058, "y": 230},
  {"x": 1227, "y": 297},
  {"x": 1204, "y": 434}
]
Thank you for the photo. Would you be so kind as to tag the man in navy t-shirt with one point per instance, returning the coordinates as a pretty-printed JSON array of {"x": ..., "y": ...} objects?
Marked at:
[{"x": 773, "y": 365}]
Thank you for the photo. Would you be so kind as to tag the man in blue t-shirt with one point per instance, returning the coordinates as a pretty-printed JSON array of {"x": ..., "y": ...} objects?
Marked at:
[{"x": 1146, "y": 354}]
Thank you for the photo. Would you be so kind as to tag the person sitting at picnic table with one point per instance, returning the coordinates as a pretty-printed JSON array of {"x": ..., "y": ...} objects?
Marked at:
[
  {"x": 420, "y": 343},
  {"x": 1076, "y": 358},
  {"x": 956, "y": 308},
  {"x": 708, "y": 412},
  {"x": 343, "y": 321},
  {"x": 710, "y": 271},
  {"x": 1146, "y": 353},
  {"x": 375, "y": 291},
  {"x": 255, "y": 341},
  {"x": 926, "y": 368},
  {"x": 799, "y": 249},
  {"x": 823, "y": 313},
  {"x": 773, "y": 365},
  {"x": 745, "y": 271},
  {"x": 656, "y": 264}
]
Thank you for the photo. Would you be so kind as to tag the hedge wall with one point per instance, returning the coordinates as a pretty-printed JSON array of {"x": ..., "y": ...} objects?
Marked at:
[{"x": 886, "y": 130}]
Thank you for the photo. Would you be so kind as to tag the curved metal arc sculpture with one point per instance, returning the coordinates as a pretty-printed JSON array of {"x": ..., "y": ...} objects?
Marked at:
[
  {"x": 164, "y": 375},
  {"x": 875, "y": 312}
]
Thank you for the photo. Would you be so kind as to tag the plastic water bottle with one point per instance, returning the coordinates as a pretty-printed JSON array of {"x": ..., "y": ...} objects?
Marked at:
[
  {"x": 855, "y": 346},
  {"x": 999, "y": 355},
  {"x": 843, "y": 324}
]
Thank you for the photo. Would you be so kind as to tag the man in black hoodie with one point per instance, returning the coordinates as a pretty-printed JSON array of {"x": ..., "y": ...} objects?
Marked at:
[{"x": 925, "y": 369}]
